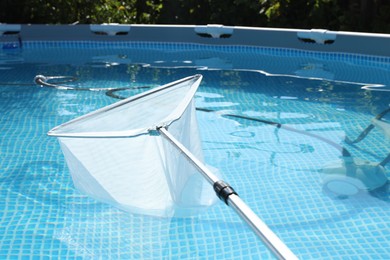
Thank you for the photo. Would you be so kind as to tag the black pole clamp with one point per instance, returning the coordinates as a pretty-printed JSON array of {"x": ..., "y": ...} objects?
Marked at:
[{"x": 223, "y": 190}]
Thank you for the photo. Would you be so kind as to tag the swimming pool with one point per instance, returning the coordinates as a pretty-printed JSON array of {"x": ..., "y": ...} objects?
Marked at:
[{"x": 279, "y": 173}]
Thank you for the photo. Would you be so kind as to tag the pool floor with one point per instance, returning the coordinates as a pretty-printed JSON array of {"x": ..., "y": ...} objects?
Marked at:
[{"x": 278, "y": 172}]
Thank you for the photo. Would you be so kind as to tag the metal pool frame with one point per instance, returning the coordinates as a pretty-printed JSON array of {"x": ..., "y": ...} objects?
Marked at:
[{"x": 310, "y": 40}]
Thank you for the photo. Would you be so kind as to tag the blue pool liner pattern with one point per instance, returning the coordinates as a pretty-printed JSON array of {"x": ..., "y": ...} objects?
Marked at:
[{"x": 275, "y": 171}]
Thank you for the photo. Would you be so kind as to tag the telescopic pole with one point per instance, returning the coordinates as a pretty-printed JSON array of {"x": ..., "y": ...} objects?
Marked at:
[{"x": 230, "y": 197}]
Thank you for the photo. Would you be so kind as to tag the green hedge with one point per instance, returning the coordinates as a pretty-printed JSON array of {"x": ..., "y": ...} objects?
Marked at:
[{"x": 347, "y": 15}]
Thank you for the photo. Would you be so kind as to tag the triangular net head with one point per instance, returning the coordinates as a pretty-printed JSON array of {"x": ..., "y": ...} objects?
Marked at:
[
  {"x": 116, "y": 155},
  {"x": 135, "y": 115}
]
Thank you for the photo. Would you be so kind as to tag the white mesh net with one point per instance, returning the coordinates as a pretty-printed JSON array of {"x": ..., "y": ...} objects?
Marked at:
[{"x": 113, "y": 156}]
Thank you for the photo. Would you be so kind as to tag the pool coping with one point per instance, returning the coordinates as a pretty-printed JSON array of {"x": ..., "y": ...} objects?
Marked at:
[{"x": 318, "y": 40}]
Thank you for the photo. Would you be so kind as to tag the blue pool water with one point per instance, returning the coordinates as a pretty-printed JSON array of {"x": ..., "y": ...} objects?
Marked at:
[{"x": 278, "y": 172}]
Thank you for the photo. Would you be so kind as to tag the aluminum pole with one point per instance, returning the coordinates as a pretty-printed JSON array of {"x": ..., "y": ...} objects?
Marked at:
[{"x": 277, "y": 247}]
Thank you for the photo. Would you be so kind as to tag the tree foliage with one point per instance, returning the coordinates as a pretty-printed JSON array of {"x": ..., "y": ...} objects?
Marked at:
[{"x": 351, "y": 15}]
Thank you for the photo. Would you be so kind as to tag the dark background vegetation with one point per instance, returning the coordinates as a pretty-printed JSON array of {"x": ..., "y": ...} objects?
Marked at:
[{"x": 338, "y": 15}]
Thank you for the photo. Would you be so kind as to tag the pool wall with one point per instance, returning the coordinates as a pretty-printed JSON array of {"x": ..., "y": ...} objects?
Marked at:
[{"x": 309, "y": 40}]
